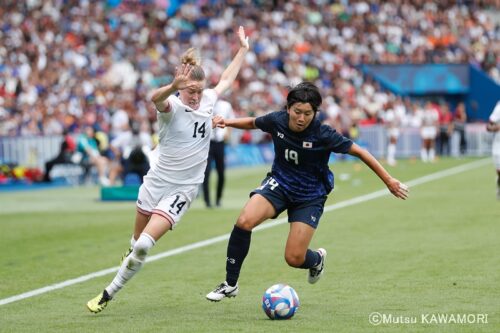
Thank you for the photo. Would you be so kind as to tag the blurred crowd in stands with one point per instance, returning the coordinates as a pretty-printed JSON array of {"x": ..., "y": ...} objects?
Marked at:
[{"x": 68, "y": 64}]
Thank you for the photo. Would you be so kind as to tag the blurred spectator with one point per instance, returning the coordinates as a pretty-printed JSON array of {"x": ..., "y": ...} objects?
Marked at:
[
  {"x": 494, "y": 127},
  {"x": 246, "y": 137},
  {"x": 459, "y": 120},
  {"x": 445, "y": 130},
  {"x": 428, "y": 131},
  {"x": 90, "y": 156},
  {"x": 62, "y": 62},
  {"x": 219, "y": 136},
  {"x": 130, "y": 149},
  {"x": 68, "y": 148},
  {"x": 392, "y": 118}
]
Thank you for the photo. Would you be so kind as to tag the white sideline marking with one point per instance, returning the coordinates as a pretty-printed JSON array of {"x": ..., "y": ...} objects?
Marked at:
[{"x": 210, "y": 241}]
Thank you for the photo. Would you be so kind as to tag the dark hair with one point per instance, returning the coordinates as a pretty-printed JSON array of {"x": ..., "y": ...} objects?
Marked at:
[{"x": 304, "y": 92}]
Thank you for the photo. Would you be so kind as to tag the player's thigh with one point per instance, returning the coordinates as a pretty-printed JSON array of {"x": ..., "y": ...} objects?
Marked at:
[
  {"x": 157, "y": 226},
  {"x": 256, "y": 210},
  {"x": 141, "y": 220}
]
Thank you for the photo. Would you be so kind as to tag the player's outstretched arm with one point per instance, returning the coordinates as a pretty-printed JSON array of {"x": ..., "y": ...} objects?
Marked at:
[
  {"x": 241, "y": 123},
  {"x": 398, "y": 189},
  {"x": 229, "y": 74}
]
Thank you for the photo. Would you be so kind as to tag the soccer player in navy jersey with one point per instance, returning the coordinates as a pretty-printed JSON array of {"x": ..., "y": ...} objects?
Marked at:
[{"x": 299, "y": 182}]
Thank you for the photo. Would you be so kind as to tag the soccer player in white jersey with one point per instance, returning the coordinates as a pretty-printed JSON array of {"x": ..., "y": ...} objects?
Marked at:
[
  {"x": 185, "y": 124},
  {"x": 494, "y": 126}
]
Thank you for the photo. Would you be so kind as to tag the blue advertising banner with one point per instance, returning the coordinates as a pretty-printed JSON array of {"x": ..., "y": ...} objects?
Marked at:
[
  {"x": 244, "y": 155},
  {"x": 421, "y": 79}
]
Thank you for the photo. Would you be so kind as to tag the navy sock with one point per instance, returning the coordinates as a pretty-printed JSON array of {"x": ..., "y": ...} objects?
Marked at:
[
  {"x": 312, "y": 259},
  {"x": 237, "y": 250}
]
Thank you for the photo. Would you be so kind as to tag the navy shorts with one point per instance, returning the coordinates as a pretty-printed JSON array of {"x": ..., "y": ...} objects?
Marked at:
[{"x": 308, "y": 212}]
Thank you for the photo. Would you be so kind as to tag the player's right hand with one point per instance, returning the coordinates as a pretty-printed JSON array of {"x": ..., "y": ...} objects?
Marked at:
[
  {"x": 182, "y": 77},
  {"x": 398, "y": 189},
  {"x": 218, "y": 121}
]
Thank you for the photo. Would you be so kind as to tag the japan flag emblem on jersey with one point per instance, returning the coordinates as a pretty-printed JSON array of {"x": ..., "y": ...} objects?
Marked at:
[{"x": 306, "y": 144}]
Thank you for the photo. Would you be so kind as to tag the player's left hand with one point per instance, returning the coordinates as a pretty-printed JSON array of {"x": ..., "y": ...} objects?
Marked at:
[
  {"x": 243, "y": 39},
  {"x": 398, "y": 189}
]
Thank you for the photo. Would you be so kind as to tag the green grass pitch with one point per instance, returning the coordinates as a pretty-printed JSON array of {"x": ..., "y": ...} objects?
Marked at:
[{"x": 436, "y": 253}]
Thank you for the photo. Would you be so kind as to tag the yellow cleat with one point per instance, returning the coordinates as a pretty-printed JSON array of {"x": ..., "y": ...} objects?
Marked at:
[{"x": 98, "y": 303}]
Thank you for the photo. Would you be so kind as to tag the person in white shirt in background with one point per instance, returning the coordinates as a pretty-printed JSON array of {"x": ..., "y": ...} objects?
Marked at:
[
  {"x": 216, "y": 154},
  {"x": 392, "y": 117},
  {"x": 119, "y": 118},
  {"x": 428, "y": 131},
  {"x": 185, "y": 112},
  {"x": 127, "y": 148},
  {"x": 494, "y": 127}
]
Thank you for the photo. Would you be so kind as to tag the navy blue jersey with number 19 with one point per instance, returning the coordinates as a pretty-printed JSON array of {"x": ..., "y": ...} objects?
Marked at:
[{"x": 301, "y": 158}]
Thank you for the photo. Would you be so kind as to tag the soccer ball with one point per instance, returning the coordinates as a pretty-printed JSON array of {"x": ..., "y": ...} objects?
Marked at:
[{"x": 280, "y": 301}]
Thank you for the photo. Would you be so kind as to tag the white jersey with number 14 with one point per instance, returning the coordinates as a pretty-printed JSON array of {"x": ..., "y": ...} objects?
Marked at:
[{"x": 184, "y": 140}]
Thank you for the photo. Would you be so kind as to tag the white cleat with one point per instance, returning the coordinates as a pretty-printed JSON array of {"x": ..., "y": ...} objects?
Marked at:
[{"x": 222, "y": 290}]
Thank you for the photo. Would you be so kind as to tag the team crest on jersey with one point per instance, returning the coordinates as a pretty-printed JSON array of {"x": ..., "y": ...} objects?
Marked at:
[{"x": 306, "y": 144}]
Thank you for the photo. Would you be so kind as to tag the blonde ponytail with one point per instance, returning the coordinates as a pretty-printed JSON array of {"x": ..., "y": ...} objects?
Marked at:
[{"x": 189, "y": 57}]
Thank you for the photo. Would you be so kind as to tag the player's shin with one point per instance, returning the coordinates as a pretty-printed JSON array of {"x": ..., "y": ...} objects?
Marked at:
[
  {"x": 132, "y": 263},
  {"x": 237, "y": 250}
]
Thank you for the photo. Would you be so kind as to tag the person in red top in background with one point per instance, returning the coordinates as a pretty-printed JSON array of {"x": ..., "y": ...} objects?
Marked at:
[
  {"x": 68, "y": 147},
  {"x": 445, "y": 130}
]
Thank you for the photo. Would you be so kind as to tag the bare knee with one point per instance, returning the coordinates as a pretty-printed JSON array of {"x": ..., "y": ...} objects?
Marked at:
[
  {"x": 294, "y": 259},
  {"x": 245, "y": 223}
]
